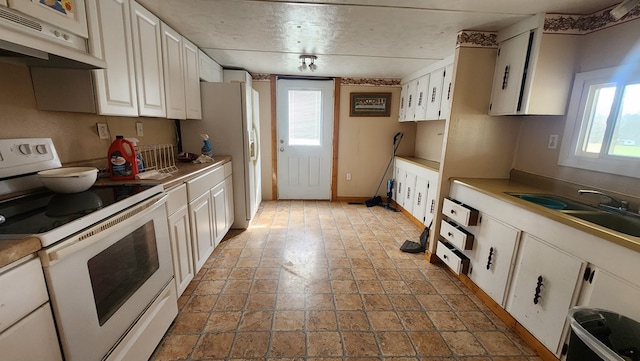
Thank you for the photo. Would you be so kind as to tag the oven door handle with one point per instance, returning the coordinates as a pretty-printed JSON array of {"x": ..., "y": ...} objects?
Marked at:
[{"x": 87, "y": 237}]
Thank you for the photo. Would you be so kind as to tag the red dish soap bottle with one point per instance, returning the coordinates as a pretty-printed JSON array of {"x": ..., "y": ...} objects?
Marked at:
[{"x": 122, "y": 159}]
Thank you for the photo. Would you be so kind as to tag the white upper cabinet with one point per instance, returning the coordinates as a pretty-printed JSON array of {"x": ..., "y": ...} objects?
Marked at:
[
  {"x": 422, "y": 86},
  {"x": 147, "y": 51},
  {"x": 172, "y": 62},
  {"x": 191, "y": 79},
  {"x": 110, "y": 40},
  {"x": 447, "y": 93},
  {"x": 426, "y": 94},
  {"x": 210, "y": 71},
  {"x": 534, "y": 71},
  {"x": 434, "y": 94}
]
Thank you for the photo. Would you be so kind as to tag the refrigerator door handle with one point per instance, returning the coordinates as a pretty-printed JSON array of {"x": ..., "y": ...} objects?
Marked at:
[{"x": 253, "y": 144}]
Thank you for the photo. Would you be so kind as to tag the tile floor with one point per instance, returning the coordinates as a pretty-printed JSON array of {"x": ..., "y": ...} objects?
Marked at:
[{"x": 320, "y": 280}]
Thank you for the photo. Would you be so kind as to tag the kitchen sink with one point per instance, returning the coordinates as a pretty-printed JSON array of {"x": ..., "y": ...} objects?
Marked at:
[
  {"x": 617, "y": 222},
  {"x": 553, "y": 202}
]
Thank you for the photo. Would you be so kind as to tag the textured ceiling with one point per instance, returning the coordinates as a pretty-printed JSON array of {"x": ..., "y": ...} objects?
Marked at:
[{"x": 352, "y": 38}]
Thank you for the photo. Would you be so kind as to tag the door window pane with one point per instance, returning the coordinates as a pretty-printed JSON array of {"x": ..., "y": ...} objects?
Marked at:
[
  {"x": 600, "y": 100},
  {"x": 117, "y": 272},
  {"x": 305, "y": 117},
  {"x": 626, "y": 134}
]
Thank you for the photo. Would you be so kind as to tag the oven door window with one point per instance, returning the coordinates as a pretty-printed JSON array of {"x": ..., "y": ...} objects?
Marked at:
[{"x": 117, "y": 272}]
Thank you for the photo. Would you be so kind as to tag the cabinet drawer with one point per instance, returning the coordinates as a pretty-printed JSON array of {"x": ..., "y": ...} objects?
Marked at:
[
  {"x": 177, "y": 199},
  {"x": 459, "y": 212},
  {"x": 456, "y": 235},
  {"x": 202, "y": 184},
  {"x": 227, "y": 169},
  {"x": 453, "y": 258},
  {"x": 29, "y": 279}
]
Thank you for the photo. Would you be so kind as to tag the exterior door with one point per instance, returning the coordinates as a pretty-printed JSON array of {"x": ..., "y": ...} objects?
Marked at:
[{"x": 305, "y": 137}]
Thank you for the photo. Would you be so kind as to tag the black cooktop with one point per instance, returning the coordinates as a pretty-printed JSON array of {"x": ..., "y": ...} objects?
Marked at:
[{"x": 43, "y": 211}]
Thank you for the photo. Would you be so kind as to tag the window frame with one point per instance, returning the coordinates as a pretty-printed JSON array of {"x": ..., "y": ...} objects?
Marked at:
[{"x": 570, "y": 152}]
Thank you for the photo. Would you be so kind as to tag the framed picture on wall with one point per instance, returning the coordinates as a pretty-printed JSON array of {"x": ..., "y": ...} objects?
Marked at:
[{"x": 370, "y": 105}]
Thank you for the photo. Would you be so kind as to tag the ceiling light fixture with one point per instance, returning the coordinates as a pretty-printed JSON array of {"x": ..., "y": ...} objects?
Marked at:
[
  {"x": 623, "y": 9},
  {"x": 312, "y": 66}
]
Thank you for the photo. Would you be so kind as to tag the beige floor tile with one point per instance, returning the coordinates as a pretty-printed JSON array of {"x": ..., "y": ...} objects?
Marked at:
[
  {"x": 395, "y": 344},
  {"x": 433, "y": 303},
  {"x": 360, "y": 344},
  {"x": 190, "y": 322},
  {"x": 460, "y": 302},
  {"x": 250, "y": 344},
  {"x": 348, "y": 301},
  {"x": 416, "y": 321},
  {"x": 446, "y": 321},
  {"x": 261, "y": 301},
  {"x": 320, "y": 301},
  {"x": 352, "y": 321},
  {"x": 429, "y": 344},
  {"x": 318, "y": 286},
  {"x": 288, "y": 344},
  {"x": 213, "y": 345},
  {"x": 463, "y": 343},
  {"x": 388, "y": 274},
  {"x": 223, "y": 321},
  {"x": 396, "y": 287},
  {"x": 214, "y": 274},
  {"x": 290, "y": 301},
  {"x": 289, "y": 321},
  {"x": 321, "y": 321},
  {"x": 264, "y": 286},
  {"x": 324, "y": 344},
  {"x": 497, "y": 343},
  {"x": 256, "y": 321},
  {"x": 208, "y": 287},
  {"x": 385, "y": 321},
  {"x": 376, "y": 302},
  {"x": 344, "y": 286},
  {"x": 476, "y": 321},
  {"x": 237, "y": 286},
  {"x": 370, "y": 286},
  {"x": 272, "y": 273},
  {"x": 405, "y": 303},
  {"x": 175, "y": 347},
  {"x": 200, "y": 303}
]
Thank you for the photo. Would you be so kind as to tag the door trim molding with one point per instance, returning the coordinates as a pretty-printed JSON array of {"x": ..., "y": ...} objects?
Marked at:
[
  {"x": 274, "y": 135},
  {"x": 336, "y": 131}
]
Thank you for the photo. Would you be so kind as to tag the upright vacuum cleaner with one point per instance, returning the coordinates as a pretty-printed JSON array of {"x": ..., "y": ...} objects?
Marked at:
[{"x": 376, "y": 200}]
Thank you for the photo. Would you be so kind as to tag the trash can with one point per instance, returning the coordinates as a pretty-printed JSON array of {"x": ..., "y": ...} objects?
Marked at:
[{"x": 598, "y": 334}]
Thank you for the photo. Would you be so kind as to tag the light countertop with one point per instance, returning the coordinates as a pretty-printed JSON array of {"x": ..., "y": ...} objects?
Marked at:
[
  {"x": 13, "y": 249},
  {"x": 498, "y": 188}
]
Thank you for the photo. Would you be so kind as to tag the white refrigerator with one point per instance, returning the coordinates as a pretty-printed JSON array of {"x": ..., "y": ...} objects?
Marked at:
[{"x": 230, "y": 117}]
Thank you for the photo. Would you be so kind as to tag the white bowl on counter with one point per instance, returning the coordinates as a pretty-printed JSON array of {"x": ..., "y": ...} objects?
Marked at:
[{"x": 69, "y": 180}]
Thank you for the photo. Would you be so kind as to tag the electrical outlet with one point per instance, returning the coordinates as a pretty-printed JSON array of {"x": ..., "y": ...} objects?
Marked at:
[
  {"x": 103, "y": 130},
  {"x": 553, "y": 141},
  {"x": 139, "y": 129},
  {"x": 348, "y": 176}
]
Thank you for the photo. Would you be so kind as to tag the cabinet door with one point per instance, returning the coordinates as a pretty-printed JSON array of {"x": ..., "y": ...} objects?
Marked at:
[
  {"x": 172, "y": 63},
  {"x": 447, "y": 93},
  {"x": 191, "y": 79},
  {"x": 33, "y": 338},
  {"x": 219, "y": 205},
  {"x": 201, "y": 221},
  {"x": 544, "y": 285},
  {"x": 434, "y": 94},
  {"x": 111, "y": 41},
  {"x": 507, "y": 78},
  {"x": 430, "y": 205},
  {"x": 183, "y": 265},
  {"x": 422, "y": 85},
  {"x": 604, "y": 290},
  {"x": 228, "y": 188},
  {"x": 410, "y": 192},
  {"x": 210, "y": 71},
  {"x": 147, "y": 52},
  {"x": 492, "y": 255},
  {"x": 420, "y": 199},
  {"x": 401, "y": 176},
  {"x": 403, "y": 102},
  {"x": 411, "y": 100}
]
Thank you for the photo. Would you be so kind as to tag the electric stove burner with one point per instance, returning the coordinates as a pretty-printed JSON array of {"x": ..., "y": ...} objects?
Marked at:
[{"x": 43, "y": 213}]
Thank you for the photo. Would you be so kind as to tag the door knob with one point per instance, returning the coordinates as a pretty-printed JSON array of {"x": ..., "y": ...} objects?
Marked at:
[{"x": 282, "y": 149}]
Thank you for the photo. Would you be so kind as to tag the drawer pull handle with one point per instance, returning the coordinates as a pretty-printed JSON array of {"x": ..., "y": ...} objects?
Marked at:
[
  {"x": 489, "y": 260},
  {"x": 450, "y": 234},
  {"x": 536, "y": 297},
  {"x": 505, "y": 77},
  {"x": 453, "y": 211},
  {"x": 445, "y": 256}
]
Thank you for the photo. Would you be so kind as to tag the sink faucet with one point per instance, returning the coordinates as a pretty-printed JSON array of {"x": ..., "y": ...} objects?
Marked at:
[{"x": 613, "y": 202}]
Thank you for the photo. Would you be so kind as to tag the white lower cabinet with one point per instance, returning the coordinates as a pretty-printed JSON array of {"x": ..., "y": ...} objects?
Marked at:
[
  {"x": 492, "y": 256},
  {"x": 27, "y": 330},
  {"x": 180, "y": 233},
  {"x": 544, "y": 288},
  {"x": 601, "y": 289},
  {"x": 210, "y": 200},
  {"x": 415, "y": 189}
]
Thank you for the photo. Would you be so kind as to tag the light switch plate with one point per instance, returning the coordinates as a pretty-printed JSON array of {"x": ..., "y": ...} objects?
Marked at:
[
  {"x": 553, "y": 141},
  {"x": 103, "y": 130},
  {"x": 139, "y": 129}
]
